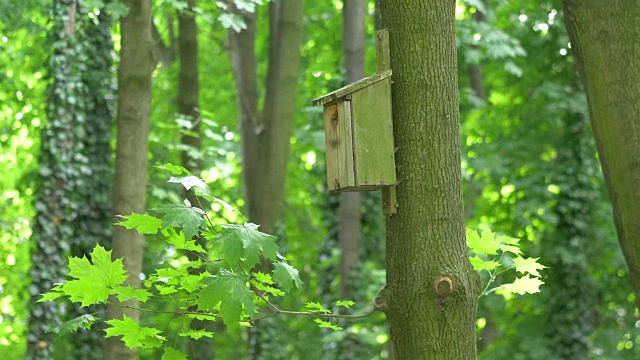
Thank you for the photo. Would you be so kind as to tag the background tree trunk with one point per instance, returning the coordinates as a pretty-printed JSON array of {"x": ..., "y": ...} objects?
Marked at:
[
  {"x": 348, "y": 212},
  {"x": 266, "y": 134},
  {"x": 134, "y": 104},
  {"x": 431, "y": 294},
  {"x": 604, "y": 40}
]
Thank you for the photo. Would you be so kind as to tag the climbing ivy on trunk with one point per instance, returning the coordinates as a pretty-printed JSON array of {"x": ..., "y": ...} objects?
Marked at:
[{"x": 73, "y": 201}]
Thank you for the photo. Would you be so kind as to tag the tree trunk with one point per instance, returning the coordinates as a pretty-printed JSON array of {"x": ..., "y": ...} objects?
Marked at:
[
  {"x": 188, "y": 106},
  {"x": 134, "y": 93},
  {"x": 431, "y": 294},
  {"x": 604, "y": 39},
  {"x": 266, "y": 134},
  {"x": 349, "y": 209}
]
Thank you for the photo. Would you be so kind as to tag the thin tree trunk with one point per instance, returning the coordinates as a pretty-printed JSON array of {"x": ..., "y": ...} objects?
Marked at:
[
  {"x": 188, "y": 106},
  {"x": 266, "y": 134},
  {"x": 605, "y": 41},
  {"x": 134, "y": 104},
  {"x": 348, "y": 212},
  {"x": 431, "y": 294}
]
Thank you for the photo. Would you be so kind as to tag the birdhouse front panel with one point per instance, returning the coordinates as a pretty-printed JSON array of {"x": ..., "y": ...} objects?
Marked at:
[
  {"x": 374, "y": 157},
  {"x": 339, "y": 145}
]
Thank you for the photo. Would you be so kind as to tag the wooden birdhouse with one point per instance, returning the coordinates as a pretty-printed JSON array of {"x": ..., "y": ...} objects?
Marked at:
[{"x": 359, "y": 135}]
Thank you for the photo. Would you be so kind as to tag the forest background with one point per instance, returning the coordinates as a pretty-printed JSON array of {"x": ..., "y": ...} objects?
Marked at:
[{"x": 529, "y": 166}]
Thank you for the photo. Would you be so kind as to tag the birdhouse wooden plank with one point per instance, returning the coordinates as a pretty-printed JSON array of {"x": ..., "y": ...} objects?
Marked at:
[{"x": 359, "y": 135}]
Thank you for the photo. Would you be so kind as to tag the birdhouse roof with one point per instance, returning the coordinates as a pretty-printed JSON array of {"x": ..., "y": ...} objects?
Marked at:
[{"x": 351, "y": 88}]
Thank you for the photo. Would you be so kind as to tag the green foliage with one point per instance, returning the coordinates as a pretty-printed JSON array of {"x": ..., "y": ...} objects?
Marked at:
[
  {"x": 225, "y": 288},
  {"x": 496, "y": 254}
]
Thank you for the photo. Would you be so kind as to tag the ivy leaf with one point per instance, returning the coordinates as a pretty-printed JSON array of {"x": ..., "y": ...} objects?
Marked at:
[
  {"x": 189, "y": 181},
  {"x": 487, "y": 244},
  {"x": 345, "y": 303},
  {"x": 285, "y": 274},
  {"x": 196, "y": 334},
  {"x": 523, "y": 285},
  {"x": 173, "y": 354},
  {"x": 133, "y": 334},
  {"x": 186, "y": 216},
  {"x": 246, "y": 237},
  {"x": 326, "y": 324},
  {"x": 143, "y": 223},
  {"x": 230, "y": 291},
  {"x": 528, "y": 265},
  {"x": 317, "y": 307},
  {"x": 71, "y": 326},
  {"x": 93, "y": 282},
  {"x": 127, "y": 293}
]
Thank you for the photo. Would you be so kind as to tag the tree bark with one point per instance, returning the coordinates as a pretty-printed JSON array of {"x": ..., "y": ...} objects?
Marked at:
[
  {"x": 266, "y": 133},
  {"x": 431, "y": 294},
  {"x": 348, "y": 211},
  {"x": 134, "y": 93},
  {"x": 605, "y": 41}
]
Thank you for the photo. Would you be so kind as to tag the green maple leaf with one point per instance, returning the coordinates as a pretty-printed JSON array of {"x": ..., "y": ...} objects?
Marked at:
[
  {"x": 174, "y": 169},
  {"x": 143, "y": 223},
  {"x": 186, "y": 216},
  {"x": 326, "y": 324},
  {"x": 173, "y": 354},
  {"x": 71, "y": 326},
  {"x": 345, "y": 303},
  {"x": 127, "y": 293},
  {"x": 285, "y": 274},
  {"x": 93, "y": 281},
  {"x": 480, "y": 264},
  {"x": 317, "y": 307},
  {"x": 196, "y": 334},
  {"x": 246, "y": 242},
  {"x": 179, "y": 241},
  {"x": 267, "y": 289},
  {"x": 523, "y": 285},
  {"x": 133, "y": 334},
  {"x": 54, "y": 294},
  {"x": 486, "y": 244},
  {"x": 190, "y": 181},
  {"x": 262, "y": 277},
  {"x": 230, "y": 292},
  {"x": 528, "y": 265}
]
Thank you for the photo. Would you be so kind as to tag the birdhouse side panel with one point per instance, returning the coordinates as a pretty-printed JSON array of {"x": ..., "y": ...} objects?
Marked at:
[
  {"x": 373, "y": 136},
  {"x": 339, "y": 145}
]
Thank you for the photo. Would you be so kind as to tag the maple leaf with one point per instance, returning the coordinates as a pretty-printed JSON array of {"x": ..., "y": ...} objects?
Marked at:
[
  {"x": 190, "y": 181},
  {"x": 230, "y": 292},
  {"x": 486, "y": 244},
  {"x": 127, "y": 293},
  {"x": 143, "y": 223},
  {"x": 326, "y": 324},
  {"x": 133, "y": 335},
  {"x": 246, "y": 242},
  {"x": 285, "y": 274},
  {"x": 173, "y": 169},
  {"x": 317, "y": 307},
  {"x": 93, "y": 281},
  {"x": 345, "y": 303},
  {"x": 196, "y": 334},
  {"x": 528, "y": 265},
  {"x": 179, "y": 241},
  {"x": 173, "y": 354},
  {"x": 523, "y": 285},
  {"x": 186, "y": 216},
  {"x": 81, "y": 322}
]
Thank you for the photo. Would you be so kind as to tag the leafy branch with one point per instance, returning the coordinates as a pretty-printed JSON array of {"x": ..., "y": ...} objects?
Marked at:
[
  {"x": 497, "y": 254},
  {"x": 224, "y": 288}
]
